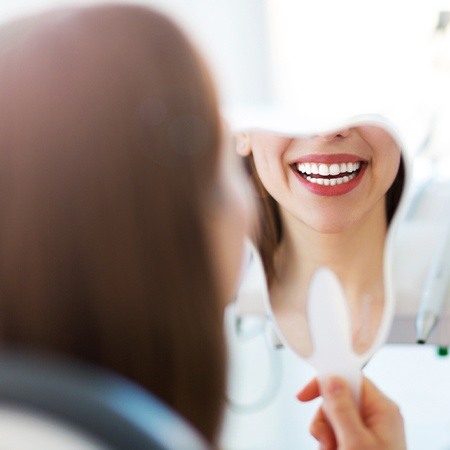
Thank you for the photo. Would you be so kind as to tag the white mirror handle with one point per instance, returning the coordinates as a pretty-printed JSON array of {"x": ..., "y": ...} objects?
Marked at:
[{"x": 330, "y": 328}]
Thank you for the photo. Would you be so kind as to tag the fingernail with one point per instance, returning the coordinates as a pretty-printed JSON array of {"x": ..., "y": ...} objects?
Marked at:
[{"x": 334, "y": 386}]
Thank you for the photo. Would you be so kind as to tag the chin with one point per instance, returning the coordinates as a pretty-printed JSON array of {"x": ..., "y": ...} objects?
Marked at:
[{"x": 332, "y": 225}]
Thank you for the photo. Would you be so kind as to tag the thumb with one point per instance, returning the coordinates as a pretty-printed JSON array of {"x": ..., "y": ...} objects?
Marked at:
[{"x": 341, "y": 411}]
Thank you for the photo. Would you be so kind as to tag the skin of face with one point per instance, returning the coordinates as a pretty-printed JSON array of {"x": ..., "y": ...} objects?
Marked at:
[{"x": 275, "y": 154}]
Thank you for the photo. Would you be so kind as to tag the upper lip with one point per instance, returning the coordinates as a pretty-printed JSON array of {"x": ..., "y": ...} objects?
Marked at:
[{"x": 328, "y": 158}]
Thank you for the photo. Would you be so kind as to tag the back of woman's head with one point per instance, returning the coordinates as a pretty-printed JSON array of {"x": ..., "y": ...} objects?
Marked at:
[{"x": 109, "y": 133}]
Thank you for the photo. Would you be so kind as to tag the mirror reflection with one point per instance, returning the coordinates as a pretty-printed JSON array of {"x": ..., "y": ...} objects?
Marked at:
[{"x": 325, "y": 200}]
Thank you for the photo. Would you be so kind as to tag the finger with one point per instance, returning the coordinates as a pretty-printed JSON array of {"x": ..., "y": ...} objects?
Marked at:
[
  {"x": 322, "y": 431},
  {"x": 375, "y": 404},
  {"x": 310, "y": 391},
  {"x": 341, "y": 411}
]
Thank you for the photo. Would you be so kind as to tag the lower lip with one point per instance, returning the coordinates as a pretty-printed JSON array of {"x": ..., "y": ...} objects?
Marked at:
[{"x": 331, "y": 191}]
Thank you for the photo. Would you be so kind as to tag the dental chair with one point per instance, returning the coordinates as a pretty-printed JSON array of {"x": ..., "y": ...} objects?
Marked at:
[{"x": 56, "y": 404}]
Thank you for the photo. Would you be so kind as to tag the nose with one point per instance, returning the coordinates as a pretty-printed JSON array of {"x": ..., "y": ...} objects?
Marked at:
[{"x": 337, "y": 134}]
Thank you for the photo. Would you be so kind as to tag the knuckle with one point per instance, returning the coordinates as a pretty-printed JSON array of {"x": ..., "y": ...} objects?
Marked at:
[
  {"x": 356, "y": 443},
  {"x": 394, "y": 410},
  {"x": 314, "y": 430},
  {"x": 341, "y": 407}
]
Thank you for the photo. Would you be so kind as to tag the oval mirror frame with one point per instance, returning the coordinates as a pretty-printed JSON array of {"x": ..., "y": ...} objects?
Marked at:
[{"x": 389, "y": 300}]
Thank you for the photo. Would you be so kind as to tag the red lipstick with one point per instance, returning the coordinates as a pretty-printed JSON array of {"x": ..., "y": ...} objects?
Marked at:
[{"x": 329, "y": 174}]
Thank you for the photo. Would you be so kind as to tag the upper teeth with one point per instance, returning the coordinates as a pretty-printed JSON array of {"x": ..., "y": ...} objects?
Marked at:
[{"x": 327, "y": 169}]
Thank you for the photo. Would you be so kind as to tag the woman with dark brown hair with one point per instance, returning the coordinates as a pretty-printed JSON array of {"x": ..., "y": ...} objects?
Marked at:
[
  {"x": 326, "y": 200},
  {"x": 122, "y": 230},
  {"x": 110, "y": 180}
]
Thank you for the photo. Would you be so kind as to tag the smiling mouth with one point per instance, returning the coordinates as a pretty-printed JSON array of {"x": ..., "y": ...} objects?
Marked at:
[{"x": 329, "y": 174}]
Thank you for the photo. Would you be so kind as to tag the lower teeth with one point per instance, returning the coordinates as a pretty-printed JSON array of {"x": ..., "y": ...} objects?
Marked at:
[{"x": 331, "y": 181}]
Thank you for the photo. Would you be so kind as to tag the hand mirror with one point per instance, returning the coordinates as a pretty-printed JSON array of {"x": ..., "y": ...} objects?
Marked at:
[{"x": 329, "y": 202}]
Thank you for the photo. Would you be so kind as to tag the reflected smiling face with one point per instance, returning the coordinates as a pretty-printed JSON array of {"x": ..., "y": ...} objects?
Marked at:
[{"x": 329, "y": 182}]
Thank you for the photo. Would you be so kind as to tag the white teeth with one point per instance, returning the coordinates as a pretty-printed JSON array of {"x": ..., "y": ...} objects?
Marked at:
[
  {"x": 347, "y": 170},
  {"x": 331, "y": 181},
  {"x": 308, "y": 168},
  {"x": 324, "y": 169},
  {"x": 334, "y": 169}
]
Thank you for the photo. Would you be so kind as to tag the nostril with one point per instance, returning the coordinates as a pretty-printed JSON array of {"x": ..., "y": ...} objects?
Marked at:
[{"x": 336, "y": 135}]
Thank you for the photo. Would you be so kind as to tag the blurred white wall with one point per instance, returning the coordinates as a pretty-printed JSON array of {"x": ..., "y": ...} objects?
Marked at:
[
  {"x": 350, "y": 49},
  {"x": 231, "y": 33}
]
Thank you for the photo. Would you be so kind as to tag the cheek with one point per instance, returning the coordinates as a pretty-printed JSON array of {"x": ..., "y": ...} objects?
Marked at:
[
  {"x": 386, "y": 158},
  {"x": 271, "y": 172},
  {"x": 268, "y": 157},
  {"x": 387, "y": 169}
]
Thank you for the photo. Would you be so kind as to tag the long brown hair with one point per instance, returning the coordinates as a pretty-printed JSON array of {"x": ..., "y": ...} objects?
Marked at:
[{"x": 109, "y": 136}]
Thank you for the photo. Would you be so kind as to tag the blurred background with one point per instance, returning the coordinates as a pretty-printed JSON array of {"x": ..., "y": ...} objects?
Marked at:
[{"x": 334, "y": 57}]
